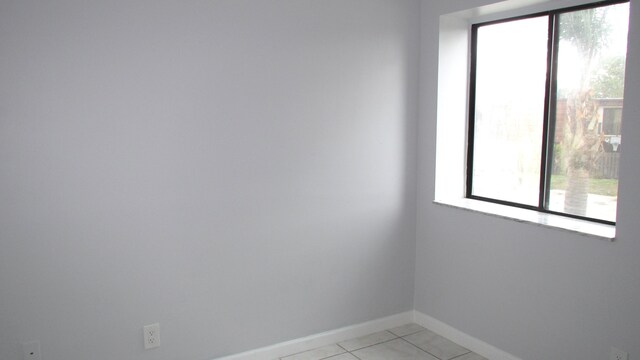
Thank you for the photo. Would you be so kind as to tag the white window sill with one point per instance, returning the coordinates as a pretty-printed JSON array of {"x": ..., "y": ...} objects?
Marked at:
[{"x": 583, "y": 227}]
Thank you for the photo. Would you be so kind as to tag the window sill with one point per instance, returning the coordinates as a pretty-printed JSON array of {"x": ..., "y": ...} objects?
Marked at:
[{"x": 582, "y": 227}]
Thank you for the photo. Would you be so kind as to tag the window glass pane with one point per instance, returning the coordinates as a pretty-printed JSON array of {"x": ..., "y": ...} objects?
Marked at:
[
  {"x": 511, "y": 62},
  {"x": 587, "y": 139}
]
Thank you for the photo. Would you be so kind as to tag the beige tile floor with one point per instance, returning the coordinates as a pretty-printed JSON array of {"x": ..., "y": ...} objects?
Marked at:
[{"x": 407, "y": 342}]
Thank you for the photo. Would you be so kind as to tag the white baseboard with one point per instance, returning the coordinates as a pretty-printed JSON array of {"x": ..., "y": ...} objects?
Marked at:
[
  {"x": 325, "y": 338},
  {"x": 477, "y": 346}
]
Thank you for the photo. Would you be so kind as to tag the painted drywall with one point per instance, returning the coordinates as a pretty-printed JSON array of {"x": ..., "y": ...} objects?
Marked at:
[
  {"x": 537, "y": 293},
  {"x": 242, "y": 172}
]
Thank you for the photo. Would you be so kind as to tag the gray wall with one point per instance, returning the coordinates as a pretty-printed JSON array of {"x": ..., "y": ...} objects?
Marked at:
[
  {"x": 242, "y": 172},
  {"x": 535, "y": 292}
]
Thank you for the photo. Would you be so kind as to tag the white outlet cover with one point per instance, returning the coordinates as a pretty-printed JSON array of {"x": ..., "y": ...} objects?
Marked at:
[
  {"x": 31, "y": 350},
  {"x": 152, "y": 336},
  {"x": 617, "y": 354}
]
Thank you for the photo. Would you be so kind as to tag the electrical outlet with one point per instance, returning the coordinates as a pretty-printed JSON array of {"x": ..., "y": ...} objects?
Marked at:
[
  {"x": 152, "y": 336},
  {"x": 617, "y": 354},
  {"x": 31, "y": 350}
]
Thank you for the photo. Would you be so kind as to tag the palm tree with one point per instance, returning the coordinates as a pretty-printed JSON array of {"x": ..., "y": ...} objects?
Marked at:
[{"x": 581, "y": 147}]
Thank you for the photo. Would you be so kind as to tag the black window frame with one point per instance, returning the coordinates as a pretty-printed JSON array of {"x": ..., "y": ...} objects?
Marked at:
[{"x": 549, "y": 120}]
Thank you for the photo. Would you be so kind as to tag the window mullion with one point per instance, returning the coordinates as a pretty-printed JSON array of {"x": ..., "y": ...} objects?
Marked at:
[
  {"x": 472, "y": 105},
  {"x": 548, "y": 132}
]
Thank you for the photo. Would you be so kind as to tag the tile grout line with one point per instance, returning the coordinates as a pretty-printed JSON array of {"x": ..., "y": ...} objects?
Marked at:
[
  {"x": 415, "y": 332},
  {"x": 382, "y": 342},
  {"x": 396, "y": 337},
  {"x": 328, "y": 357},
  {"x": 423, "y": 350},
  {"x": 455, "y": 357}
]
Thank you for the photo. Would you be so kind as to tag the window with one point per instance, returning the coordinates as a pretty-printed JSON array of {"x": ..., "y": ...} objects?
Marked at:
[{"x": 545, "y": 110}]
